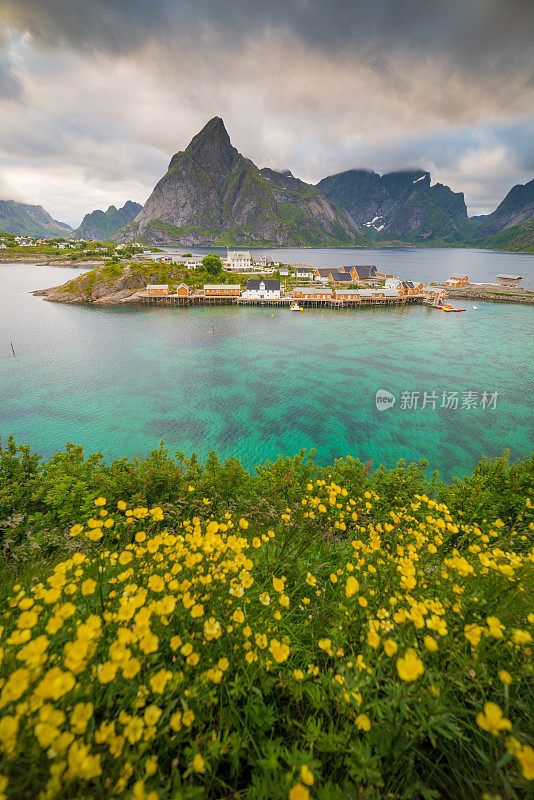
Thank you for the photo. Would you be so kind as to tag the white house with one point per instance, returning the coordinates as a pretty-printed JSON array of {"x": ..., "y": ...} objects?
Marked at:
[
  {"x": 238, "y": 261},
  {"x": 392, "y": 283},
  {"x": 305, "y": 272},
  {"x": 261, "y": 289},
  {"x": 190, "y": 262}
]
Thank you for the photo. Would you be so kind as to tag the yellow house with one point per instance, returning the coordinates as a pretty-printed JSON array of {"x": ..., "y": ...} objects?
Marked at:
[
  {"x": 222, "y": 290},
  {"x": 457, "y": 279},
  {"x": 311, "y": 293},
  {"x": 157, "y": 289}
]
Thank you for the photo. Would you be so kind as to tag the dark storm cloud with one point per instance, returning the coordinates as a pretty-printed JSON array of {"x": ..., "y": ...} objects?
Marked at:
[
  {"x": 471, "y": 33},
  {"x": 96, "y": 95}
]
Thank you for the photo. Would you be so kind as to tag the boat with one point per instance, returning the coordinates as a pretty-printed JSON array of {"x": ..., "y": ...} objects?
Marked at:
[
  {"x": 295, "y": 307},
  {"x": 476, "y": 308}
]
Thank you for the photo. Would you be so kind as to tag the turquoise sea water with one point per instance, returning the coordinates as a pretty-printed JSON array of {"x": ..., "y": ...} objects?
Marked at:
[{"x": 256, "y": 382}]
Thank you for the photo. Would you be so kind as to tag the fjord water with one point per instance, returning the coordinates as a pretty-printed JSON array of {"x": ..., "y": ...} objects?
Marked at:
[{"x": 256, "y": 382}]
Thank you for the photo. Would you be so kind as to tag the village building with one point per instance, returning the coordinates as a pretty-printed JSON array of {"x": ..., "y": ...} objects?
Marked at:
[
  {"x": 364, "y": 272},
  {"x": 190, "y": 262},
  {"x": 182, "y": 290},
  {"x": 392, "y": 283},
  {"x": 342, "y": 277},
  {"x": 311, "y": 293},
  {"x": 329, "y": 275},
  {"x": 157, "y": 289},
  {"x": 457, "y": 279},
  {"x": 509, "y": 280},
  {"x": 238, "y": 261},
  {"x": 261, "y": 289},
  {"x": 222, "y": 290},
  {"x": 323, "y": 275},
  {"x": 347, "y": 295},
  {"x": 304, "y": 272}
]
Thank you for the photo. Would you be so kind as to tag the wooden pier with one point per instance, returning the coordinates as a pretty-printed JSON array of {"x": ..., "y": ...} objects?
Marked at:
[{"x": 283, "y": 302}]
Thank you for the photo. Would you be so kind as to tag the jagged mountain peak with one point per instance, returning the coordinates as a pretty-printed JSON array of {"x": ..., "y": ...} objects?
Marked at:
[
  {"x": 211, "y": 144},
  {"x": 212, "y": 194}
]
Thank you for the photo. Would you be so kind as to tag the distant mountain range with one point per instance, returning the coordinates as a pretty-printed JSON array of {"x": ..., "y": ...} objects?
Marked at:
[
  {"x": 397, "y": 205},
  {"x": 212, "y": 195},
  {"x": 22, "y": 219},
  {"x": 98, "y": 226}
]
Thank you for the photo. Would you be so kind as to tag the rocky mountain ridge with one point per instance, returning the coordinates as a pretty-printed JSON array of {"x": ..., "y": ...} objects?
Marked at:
[
  {"x": 397, "y": 204},
  {"x": 23, "y": 219},
  {"x": 98, "y": 226},
  {"x": 211, "y": 194}
]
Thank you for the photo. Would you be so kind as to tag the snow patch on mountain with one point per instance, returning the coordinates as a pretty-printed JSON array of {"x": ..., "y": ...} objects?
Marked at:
[{"x": 372, "y": 223}]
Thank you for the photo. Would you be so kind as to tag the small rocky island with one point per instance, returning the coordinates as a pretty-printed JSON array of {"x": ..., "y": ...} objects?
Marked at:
[{"x": 110, "y": 284}]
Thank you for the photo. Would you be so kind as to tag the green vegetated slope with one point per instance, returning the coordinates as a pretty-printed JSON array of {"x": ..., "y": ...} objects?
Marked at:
[
  {"x": 23, "y": 219},
  {"x": 177, "y": 629},
  {"x": 101, "y": 225},
  {"x": 119, "y": 282}
]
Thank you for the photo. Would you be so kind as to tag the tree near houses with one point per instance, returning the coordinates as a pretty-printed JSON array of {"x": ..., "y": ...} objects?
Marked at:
[{"x": 212, "y": 264}]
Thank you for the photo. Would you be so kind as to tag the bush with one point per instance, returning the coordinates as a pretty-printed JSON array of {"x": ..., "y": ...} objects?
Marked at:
[
  {"x": 40, "y": 500},
  {"x": 327, "y": 655}
]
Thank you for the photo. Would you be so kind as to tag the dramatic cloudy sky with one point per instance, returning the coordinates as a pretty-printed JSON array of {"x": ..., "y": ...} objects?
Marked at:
[{"x": 96, "y": 95}]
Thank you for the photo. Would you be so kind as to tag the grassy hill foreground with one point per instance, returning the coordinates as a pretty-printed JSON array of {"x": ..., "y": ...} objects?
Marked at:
[{"x": 172, "y": 629}]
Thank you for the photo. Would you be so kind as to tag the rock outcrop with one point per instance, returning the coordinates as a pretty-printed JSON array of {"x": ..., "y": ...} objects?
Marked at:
[{"x": 111, "y": 284}]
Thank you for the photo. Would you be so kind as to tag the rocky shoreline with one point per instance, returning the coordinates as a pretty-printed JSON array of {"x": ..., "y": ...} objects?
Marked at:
[
  {"x": 47, "y": 261},
  {"x": 491, "y": 294}
]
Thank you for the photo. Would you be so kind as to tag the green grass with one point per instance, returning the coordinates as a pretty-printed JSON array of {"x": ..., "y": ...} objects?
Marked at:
[{"x": 297, "y": 633}]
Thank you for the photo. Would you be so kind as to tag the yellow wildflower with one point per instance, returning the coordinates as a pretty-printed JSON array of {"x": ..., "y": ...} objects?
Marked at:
[
  {"x": 410, "y": 666},
  {"x": 299, "y": 791},
  {"x": 363, "y": 722},
  {"x": 525, "y": 756},
  {"x": 390, "y": 647},
  {"x": 198, "y": 763},
  {"x": 492, "y": 719},
  {"x": 279, "y": 651},
  {"x": 188, "y": 717},
  {"x": 505, "y": 677},
  {"x": 306, "y": 775}
]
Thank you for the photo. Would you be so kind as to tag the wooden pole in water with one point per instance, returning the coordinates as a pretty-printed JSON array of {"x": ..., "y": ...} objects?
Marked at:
[{"x": 12, "y": 348}]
